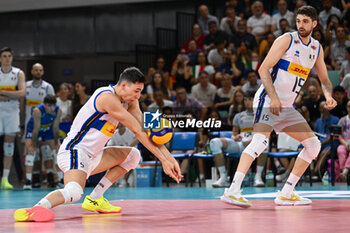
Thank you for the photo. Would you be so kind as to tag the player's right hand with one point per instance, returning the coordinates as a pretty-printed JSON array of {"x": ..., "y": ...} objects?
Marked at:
[
  {"x": 172, "y": 170},
  {"x": 275, "y": 107}
]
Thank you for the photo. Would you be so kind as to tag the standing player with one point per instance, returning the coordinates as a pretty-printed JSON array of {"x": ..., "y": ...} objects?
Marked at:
[
  {"x": 43, "y": 127},
  {"x": 292, "y": 56},
  {"x": 12, "y": 88},
  {"x": 82, "y": 152},
  {"x": 36, "y": 90}
]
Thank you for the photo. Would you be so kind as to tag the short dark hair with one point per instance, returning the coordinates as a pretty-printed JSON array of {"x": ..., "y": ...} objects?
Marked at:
[
  {"x": 131, "y": 74},
  {"x": 252, "y": 71},
  {"x": 50, "y": 99},
  {"x": 283, "y": 19},
  {"x": 308, "y": 11},
  {"x": 203, "y": 72},
  {"x": 5, "y": 49},
  {"x": 339, "y": 89}
]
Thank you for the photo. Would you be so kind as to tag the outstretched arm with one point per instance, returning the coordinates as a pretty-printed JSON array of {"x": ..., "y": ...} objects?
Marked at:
[
  {"x": 108, "y": 102},
  {"x": 326, "y": 83},
  {"x": 277, "y": 50}
]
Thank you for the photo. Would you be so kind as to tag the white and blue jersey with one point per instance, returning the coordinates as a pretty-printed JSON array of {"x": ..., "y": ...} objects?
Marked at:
[
  {"x": 289, "y": 74},
  {"x": 46, "y": 124},
  {"x": 91, "y": 129},
  {"x": 9, "y": 82}
]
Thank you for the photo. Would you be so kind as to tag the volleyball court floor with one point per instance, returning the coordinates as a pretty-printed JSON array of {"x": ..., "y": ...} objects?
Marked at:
[{"x": 180, "y": 209}]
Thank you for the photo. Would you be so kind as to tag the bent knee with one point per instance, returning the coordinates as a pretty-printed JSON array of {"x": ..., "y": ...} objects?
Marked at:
[{"x": 132, "y": 160}]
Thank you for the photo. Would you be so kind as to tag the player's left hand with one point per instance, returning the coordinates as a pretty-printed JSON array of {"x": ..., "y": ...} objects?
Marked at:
[{"x": 330, "y": 103}]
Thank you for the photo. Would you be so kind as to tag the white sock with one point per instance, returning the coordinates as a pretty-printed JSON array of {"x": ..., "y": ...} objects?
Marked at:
[
  {"x": 277, "y": 163},
  {"x": 49, "y": 170},
  {"x": 201, "y": 176},
  {"x": 29, "y": 176},
  {"x": 100, "y": 188},
  {"x": 237, "y": 181},
  {"x": 259, "y": 170},
  {"x": 290, "y": 184},
  {"x": 222, "y": 172},
  {"x": 44, "y": 203},
  {"x": 5, "y": 173}
]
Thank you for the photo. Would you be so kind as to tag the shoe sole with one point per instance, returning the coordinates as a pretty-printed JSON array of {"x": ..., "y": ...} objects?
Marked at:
[
  {"x": 36, "y": 214},
  {"x": 102, "y": 212},
  {"x": 290, "y": 203},
  {"x": 233, "y": 202},
  {"x": 259, "y": 185}
]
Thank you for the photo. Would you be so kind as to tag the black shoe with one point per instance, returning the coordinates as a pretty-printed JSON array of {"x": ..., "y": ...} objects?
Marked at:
[
  {"x": 28, "y": 185},
  {"x": 50, "y": 180},
  {"x": 36, "y": 181}
]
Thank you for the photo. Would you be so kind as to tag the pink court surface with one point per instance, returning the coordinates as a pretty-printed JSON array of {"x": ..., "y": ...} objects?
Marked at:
[{"x": 193, "y": 216}]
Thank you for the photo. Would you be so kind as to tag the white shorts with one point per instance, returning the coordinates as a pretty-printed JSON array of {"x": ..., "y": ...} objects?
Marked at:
[
  {"x": 286, "y": 142},
  {"x": 288, "y": 117},
  {"x": 9, "y": 123},
  {"x": 78, "y": 159}
]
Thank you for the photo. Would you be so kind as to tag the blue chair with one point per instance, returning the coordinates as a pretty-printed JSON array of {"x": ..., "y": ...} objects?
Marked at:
[{"x": 183, "y": 141}]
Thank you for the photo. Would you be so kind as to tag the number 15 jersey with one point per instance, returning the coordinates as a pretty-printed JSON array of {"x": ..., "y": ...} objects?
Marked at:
[{"x": 292, "y": 70}]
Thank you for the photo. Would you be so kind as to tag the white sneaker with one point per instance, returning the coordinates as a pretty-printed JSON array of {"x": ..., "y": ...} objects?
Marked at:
[
  {"x": 235, "y": 198},
  {"x": 282, "y": 177},
  {"x": 293, "y": 199},
  {"x": 222, "y": 182},
  {"x": 258, "y": 182}
]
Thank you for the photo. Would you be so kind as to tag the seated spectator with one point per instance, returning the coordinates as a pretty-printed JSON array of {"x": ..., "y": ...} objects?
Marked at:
[
  {"x": 265, "y": 45},
  {"x": 236, "y": 5},
  {"x": 197, "y": 36},
  {"x": 345, "y": 66},
  {"x": 181, "y": 72},
  {"x": 259, "y": 24},
  {"x": 204, "y": 91},
  {"x": 332, "y": 23},
  {"x": 284, "y": 27},
  {"x": 283, "y": 13},
  {"x": 344, "y": 147},
  {"x": 202, "y": 64},
  {"x": 339, "y": 95},
  {"x": 192, "y": 52},
  {"x": 216, "y": 56},
  {"x": 243, "y": 35},
  {"x": 159, "y": 101},
  {"x": 328, "y": 10},
  {"x": 317, "y": 34},
  {"x": 204, "y": 17},
  {"x": 160, "y": 67},
  {"x": 233, "y": 66},
  {"x": 253, "y": 83},
  {"x": 346, "y": 84},
  {"x": 244, "y": 54},
  {"x": 338, "y": 48},
  {"x": 157, "y": 83},
  {"x": 229, "y": 23},
  {"x": 321, "y": 127},
  {"x": 255, "y": 61},
  {"x": 311, "y": 104},
  {"x": 237, "y": 106},
  {"x": 214, "y": 35},
  {"x": 224, "y": 96},
  {"x": 80, "y": 98},
  {"x": 186, "y": 103}
]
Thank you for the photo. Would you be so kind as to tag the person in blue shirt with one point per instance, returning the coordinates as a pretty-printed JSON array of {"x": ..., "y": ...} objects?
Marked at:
[
  {"x": 322, "y": 129},
  {"x": 42, "y": 130}
]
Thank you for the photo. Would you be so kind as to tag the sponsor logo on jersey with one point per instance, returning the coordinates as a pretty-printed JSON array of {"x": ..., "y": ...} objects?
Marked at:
[
  {"x": 297, "y": 53},
  {"x": 108, "y": 129},
  {"x": 298, "y": 70},
  {"x": 34, "y": 103},
  {"x": 296, "y": 41},
  {"x": 7, "y": 88},
  {"x": 313, "y": 47}
]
